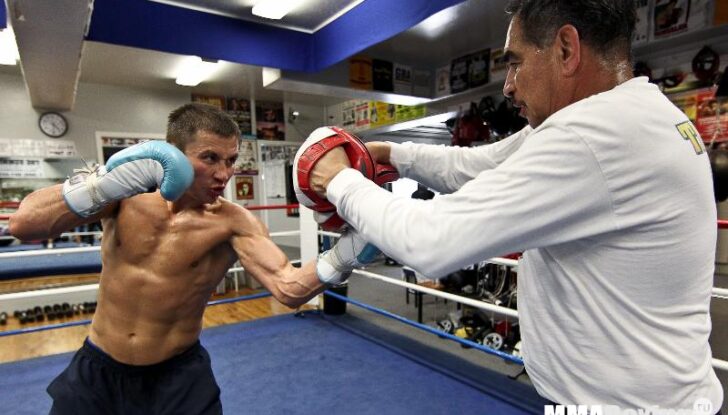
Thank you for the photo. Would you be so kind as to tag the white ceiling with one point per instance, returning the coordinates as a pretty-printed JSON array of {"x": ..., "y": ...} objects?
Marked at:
[{"x": 474, "y": 25}]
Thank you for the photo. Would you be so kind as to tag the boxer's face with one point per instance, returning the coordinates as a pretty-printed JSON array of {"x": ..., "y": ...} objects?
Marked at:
[
  {"x": 530, "y": 80},
  {"x": 212, "y": 159}
]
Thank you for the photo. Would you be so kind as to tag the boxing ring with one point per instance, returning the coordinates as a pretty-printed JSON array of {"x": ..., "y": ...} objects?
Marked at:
[{"x": 312, "y": 361}]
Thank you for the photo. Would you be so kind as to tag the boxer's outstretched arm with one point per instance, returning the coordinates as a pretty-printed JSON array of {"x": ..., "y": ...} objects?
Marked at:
[
  {"x": 44, "y": 214},
  {"x": 265, "y": 261}
]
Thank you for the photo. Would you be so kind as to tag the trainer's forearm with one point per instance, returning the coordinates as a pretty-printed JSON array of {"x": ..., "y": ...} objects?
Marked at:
[{"x": 43, "y": 214}]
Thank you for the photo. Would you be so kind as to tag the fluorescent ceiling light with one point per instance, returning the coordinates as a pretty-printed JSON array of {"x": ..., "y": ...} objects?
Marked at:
[
  {"x": 195, "y": 70},
  {"x": 275, "y": 9},
  {"x": 8, "y": 48},
  {"x": 434, "y": 25}
]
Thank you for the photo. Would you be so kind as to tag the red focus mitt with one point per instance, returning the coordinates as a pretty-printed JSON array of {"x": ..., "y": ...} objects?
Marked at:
[{"x": 320, "y": 142}]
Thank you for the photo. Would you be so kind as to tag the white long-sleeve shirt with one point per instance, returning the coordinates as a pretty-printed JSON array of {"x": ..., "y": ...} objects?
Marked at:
[{"x": 612, "y": 203}]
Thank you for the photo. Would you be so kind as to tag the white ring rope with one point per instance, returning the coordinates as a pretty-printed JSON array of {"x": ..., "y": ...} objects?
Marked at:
[
  {"x": 717, "y": 363},
  {"x": 64, "y": 234},
  {"x": 464, "y": 300}
]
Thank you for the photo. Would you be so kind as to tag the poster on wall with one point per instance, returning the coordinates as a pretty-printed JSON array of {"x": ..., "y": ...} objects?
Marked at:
[
  {"x": 360, "y": 73},
  {"x": 361, "y": 114},
  {"x": 239, "y": 110},
  {"x": 382, "y": 77},
  {"x": 687, "y": 102},
  {"x": 498, "y": 65},
  {"x": 459, "y": 75},
  {"x": 348, "y": 115},
  {"x": 12, "y": 168},
  {"x": 6, "y": 147},
  {"x": 642, "y": 24},
  {"x": 217, "y": 101},
  {"x": 409, "y": 112},
  {"x": 478, "y": 65},
  {"x": 270, "y": 124},
  {"x": 671, "y": 17},
  {"x": 711, "y": 118},
  {"x": 402, "y": 79},
  {"x": 244, "y": 188},
  {"x": 442, "y": 81},
  {"x": 381, "y": 113},
  {"x": 60, "y": 148},
  {"x": 247, "y": 162},
  {"x": 111, "y": 145},
  {"x": 421, "y": 86}
]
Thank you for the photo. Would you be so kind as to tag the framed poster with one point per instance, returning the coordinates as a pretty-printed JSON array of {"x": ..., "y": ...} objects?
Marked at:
[
  {"x": 239, "y": 110},
  {"x": 109, "y": 143},
  {"x": 478, "y": 68},
  {"x": 360, "y": 72},
  {"x": 247, "y": 163},
  {"x": 270, "y": 124},
  {"x": 459, "y": 74},
  {"x": 217, "y": 101},
  {"x": 244, "y": 188}
]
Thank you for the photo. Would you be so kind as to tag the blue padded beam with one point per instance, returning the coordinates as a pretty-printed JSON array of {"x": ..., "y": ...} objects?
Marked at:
[
  {"x": 3, "y": 16},
  {"x": 150, "y": 25}
]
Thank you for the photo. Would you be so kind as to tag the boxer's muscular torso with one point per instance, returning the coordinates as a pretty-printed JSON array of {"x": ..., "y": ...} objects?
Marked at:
[{"x": 159, "y": 269}]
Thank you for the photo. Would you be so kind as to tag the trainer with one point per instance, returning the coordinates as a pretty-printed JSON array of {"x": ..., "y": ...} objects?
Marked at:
[{"x": 608, "y": 192}]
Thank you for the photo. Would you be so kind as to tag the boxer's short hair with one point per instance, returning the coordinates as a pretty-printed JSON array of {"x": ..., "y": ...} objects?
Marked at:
[{"x": 186, "y": 121}]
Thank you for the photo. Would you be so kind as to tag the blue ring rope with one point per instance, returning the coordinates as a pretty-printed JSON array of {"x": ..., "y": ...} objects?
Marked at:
[
  {"x": 504, "y": 356},
  {"x": 478, "y": 346},
  {"x": 84, "y": 322}
]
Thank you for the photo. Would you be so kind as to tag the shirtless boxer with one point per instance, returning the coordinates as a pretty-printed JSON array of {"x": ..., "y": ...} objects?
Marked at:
[{"x": 163, "y": 253}]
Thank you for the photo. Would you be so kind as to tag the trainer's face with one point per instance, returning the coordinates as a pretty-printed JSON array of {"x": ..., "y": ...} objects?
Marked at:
[
  {"x": 531, "y": 80},
  {"x": 212, "y": 158}
]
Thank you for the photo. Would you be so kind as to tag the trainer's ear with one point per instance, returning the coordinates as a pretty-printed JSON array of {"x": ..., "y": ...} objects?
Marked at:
[{"x": 568, "y": 44}]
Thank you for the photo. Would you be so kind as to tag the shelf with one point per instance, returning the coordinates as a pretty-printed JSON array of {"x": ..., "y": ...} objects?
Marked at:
[
  {"x": 479, "y": 92},
  {"x": 431, "y": 126},
  {"x": 691, "y": 41}
]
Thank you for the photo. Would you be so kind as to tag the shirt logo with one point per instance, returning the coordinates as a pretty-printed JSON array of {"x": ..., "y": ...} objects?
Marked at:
[{"x": 688, "y": 132}]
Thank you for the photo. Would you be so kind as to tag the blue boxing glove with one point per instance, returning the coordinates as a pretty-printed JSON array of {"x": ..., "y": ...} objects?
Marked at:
[
  {"x": 137, "y": 169},
  {"x": 351, "y": 251}
]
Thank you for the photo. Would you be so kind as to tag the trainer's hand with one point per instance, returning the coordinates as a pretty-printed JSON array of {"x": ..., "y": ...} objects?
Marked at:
[
  {"x": 380, "y": 151},
  {"x": 351, "y": 251},
  {"x": 138, "y": 169},
  {"x": 327, "y": 168}
]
